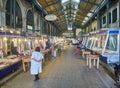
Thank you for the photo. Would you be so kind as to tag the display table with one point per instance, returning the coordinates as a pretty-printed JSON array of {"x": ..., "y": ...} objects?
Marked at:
[
  {"x": 95, "y": 58},
  {"x": 85, "y": 53},
  {"x": 25, "y": 61}
]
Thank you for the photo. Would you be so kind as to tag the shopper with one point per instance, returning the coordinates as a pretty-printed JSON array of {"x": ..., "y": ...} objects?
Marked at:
[
  {"x": 59, "y": 49},
  {"x": 53, "y": 51},
  {"x": 36, "y": 63}
]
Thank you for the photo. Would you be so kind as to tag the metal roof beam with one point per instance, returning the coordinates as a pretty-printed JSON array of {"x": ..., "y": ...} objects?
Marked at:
[
  {"x": 78, "y": 26},
  {"x": 82, "y": 15},
  {"x": 38, "y": 5},
  {"x": 51, "y": 4},
  {"x": 103, "y": 4},
  {"x": 60, "y": 15},
  {"x": 61, "y": 21},
  {"x": 55, "y": 10},
  {"x": 84, "y": 10},
  {"x": 92, "y": 3},
  {"x": 79, "y": 21}
]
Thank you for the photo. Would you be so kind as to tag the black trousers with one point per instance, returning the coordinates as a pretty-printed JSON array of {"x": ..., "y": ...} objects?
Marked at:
[{"x": 36, "y": 77}]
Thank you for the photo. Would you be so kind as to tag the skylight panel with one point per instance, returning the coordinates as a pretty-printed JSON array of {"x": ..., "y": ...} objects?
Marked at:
[
  {"x": 77, "y": 1},
  {"x": 63, "y": 1}
]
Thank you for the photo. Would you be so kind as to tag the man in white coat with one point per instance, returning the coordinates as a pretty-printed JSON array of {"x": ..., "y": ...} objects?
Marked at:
[{"x": 36, "y": 63}]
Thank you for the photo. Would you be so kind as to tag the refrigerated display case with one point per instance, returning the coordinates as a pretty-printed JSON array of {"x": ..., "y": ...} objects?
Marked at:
[
  {"x": 107, "y": 45},
  {"x": 85, "y": 39},
  {"x": 111, "y": 48},
  {"x": 10, "y": 45}
]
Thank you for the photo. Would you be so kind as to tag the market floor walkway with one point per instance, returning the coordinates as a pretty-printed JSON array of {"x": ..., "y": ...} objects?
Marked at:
[{"x": 66, "y": 71}]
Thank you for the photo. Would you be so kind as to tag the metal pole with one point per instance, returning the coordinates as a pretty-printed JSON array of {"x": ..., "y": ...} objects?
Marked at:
[
  {"x": 119, "y": 13},
  {"x": 118, "y": 45},
  {"x": 52, "y": 30},
  {"x": 90, "y": 25},
  {"x": 107, "y": 13},
  {"x": 11, "y": 6},
  {"x": 119, "y": 32},
  {"x": 14, "y": 14},
  {"x": 43, "y": 25},
  {"x": 56, "y": 31},
  {"x": 48, "y": 28},
  {"x": 33, "y": 8},
  {"x": 98, "y": 21},
  {"x": 40, "y": 24}
]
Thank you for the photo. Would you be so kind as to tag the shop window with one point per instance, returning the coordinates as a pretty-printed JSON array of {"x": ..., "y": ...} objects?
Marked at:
[
  {"x": 8, "y": 13},
  {"x": 112, "y": 43},
  {"x": 109, "y": 17},
  {"x": 29, "y": 20},
  {"x": 114, "y": 15},
  {"x": 18, "y": 17},
  {"x": 104, "y": 19}
]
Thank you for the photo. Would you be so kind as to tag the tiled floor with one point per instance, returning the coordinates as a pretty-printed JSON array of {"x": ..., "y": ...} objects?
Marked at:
[{"x": 66, "y": 71}]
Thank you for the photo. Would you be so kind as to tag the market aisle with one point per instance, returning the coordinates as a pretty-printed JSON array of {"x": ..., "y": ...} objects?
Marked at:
[{"x": 67, "y": 71}]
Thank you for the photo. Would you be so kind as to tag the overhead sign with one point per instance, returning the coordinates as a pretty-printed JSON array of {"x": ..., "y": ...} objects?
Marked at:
[{"x": 50, "y": 17}]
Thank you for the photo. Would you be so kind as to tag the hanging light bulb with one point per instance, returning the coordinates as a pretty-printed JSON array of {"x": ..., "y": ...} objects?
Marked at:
[{"x": 5, "y": 38}]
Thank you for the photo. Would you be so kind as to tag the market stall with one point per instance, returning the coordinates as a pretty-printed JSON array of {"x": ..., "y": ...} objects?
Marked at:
[
  {"x": 107, "y": 45},
  {"x": 11, "y": 46}
]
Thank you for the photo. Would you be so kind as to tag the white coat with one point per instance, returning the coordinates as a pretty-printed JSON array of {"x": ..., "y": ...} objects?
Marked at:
[{"x": 36, "y": 67}]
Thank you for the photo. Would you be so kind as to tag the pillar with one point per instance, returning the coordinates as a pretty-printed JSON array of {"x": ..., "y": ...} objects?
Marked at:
[
  {"x": 107, "y": 13},
  {"x": 11, "y": 16},
  {"x": 98, "y": 21},
  {"x": 33, "y": 9}
]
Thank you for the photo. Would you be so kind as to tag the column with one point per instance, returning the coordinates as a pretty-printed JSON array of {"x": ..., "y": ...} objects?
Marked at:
[
  {"x": 14, "y": 14},
  {"x": 41, "y": 25},
  {"x": 119, "y": 14},
  {"x": 11, "y": 17},
  {"x": 98, "y": 21},
  {"x": 119, "y": 26},
  {"x": 46, "y": 28},
  {"x": 90, "y": 25},
  {"x": 33, "y": 9},
  {"x": 107, "y": 13}
]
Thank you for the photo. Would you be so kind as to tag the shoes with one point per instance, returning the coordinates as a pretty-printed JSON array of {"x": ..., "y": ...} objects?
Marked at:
[{"x": 36, "y": 79}]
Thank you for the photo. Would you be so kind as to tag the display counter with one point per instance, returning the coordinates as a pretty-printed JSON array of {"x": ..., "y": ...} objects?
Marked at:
[{"x": 9, "y": 64}]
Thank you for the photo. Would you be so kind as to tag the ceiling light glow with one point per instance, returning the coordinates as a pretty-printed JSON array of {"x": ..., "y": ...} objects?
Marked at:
[
  {"x": 77, "y": 1},
  {"x": 63, "y": 1}
]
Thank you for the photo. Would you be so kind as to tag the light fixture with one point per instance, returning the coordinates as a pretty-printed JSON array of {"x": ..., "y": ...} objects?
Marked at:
[
  {"x": 70, "y": 8},
  {"x": 1, "y": 28},
  {"x": 50, "y": 17},
  {"x": 5, "y": 38},
  {"x": 11, "y": 31},
  {"x": 25, "y": 40},
  {"x": 86, "y": 18},
  {"x": 19, "y": 40},
  {"x": 84, "y": 21},
  {"x": 89, "y": 14},
  {"x": 18, "y": 32},
  {"x": 77, "y": 1},
  {"x": 63, "y": 1}
]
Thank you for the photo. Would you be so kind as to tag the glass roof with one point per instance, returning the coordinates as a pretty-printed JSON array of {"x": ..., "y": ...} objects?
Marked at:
[
  {"x": 70, "y": 11},
  {"x": 77, "y": 1},
  {"x": 63, "y": 1}
]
